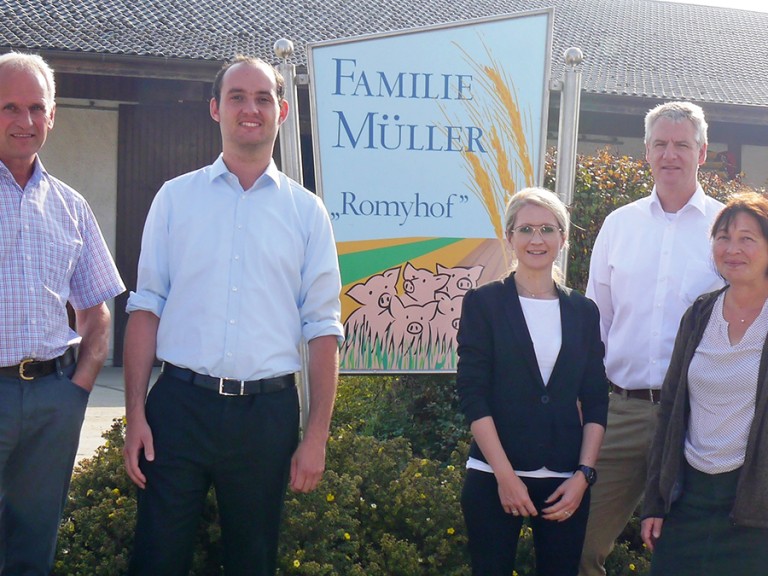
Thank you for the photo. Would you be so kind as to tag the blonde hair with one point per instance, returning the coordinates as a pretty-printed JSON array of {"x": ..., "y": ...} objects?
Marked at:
[
  {"x": 544, "y": 198},
  {"x": 35, "y": 64}
]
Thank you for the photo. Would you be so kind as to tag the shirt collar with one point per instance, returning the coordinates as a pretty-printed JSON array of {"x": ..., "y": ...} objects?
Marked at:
[
  {"x": 37, "y": 172},
  {"x": 271, "y": 175},
  {"x": 696, "y": 202}
]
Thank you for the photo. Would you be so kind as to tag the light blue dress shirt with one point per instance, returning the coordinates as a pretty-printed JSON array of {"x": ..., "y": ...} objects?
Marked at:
[{"x": 237, "y": 277}]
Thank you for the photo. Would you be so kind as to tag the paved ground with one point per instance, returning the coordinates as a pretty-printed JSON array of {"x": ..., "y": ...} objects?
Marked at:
[{"x": 106, "y": 404}]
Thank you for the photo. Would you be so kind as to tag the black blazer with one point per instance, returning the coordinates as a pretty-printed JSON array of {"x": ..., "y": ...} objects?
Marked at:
[{"x": 498, "y": 376}]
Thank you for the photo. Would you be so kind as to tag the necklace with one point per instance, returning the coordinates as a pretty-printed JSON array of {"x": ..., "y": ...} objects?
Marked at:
[
  {"x": 744, "y": 314},
  {"x": 531, "y": 294}
]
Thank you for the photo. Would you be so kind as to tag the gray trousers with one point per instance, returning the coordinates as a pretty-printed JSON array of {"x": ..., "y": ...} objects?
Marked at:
[{"x": 40, "y": 423}]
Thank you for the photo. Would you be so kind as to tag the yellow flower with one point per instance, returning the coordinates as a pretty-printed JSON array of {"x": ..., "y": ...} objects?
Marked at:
[
  {"x": 632, "y": 567},
  {"x": 451, "y": 531},
  {"x": 417, "y": 475},
  {"x": 347, "y": 536},
  {"x": 451, "y": 467},
  {"x": 330, "y": 497},
  {"x": 296, "y": 563},
  {"x": 115, "y": 491}
]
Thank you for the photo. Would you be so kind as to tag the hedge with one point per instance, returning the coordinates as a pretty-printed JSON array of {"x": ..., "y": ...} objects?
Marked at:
[{"x": 389, "y": 502}]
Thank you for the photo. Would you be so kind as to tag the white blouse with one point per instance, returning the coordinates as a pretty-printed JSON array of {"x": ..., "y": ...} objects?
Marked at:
[{"x": 722, "y": 388}]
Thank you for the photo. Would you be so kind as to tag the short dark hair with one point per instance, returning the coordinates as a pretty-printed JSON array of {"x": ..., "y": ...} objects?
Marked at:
[
  {"x": 752, "y": 203},
  {"x": 253, "y": 61}
]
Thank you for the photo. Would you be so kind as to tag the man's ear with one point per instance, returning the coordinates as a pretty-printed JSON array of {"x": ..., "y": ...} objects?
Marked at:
[
  {"x": 51, "y": 117},
  {"x": 283, "y": 111},
  {"x": 702, "y": 154},
  {"x": 214, "y": 107}
]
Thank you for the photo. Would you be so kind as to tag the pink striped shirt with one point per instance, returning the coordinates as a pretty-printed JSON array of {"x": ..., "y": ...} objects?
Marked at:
[{"x": 51, "y": 252}]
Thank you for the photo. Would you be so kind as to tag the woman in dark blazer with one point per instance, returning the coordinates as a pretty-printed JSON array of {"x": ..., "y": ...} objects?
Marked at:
[{"x": 532, "y": 385}]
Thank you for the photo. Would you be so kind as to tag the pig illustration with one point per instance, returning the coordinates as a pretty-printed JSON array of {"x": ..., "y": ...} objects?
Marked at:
[
  {"x": 446, "y": 322},
  {"x": 411, "y": 323},
  {"x": 420, "y": 284},
  {"x": 374, "y": 296},
  {"x": 460, "y": 279}
]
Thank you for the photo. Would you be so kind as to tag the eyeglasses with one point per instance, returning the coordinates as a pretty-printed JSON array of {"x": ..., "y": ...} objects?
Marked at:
[{"x": 546, "y": 230}]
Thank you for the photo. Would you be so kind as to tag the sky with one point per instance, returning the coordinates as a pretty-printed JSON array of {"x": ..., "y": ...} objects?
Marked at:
[{"x": 754, "y": 5}]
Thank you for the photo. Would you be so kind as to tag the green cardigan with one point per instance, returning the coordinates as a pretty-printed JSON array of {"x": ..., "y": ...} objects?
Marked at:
[{"x": 667, "y": 457}]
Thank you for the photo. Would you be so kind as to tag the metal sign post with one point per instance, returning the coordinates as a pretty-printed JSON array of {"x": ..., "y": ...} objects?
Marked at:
[
  {"x": 290, "y": 164},
  {"x": 567, "y": 136}
]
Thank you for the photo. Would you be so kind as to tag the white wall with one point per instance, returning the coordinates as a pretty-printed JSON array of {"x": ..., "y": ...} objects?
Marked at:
[
  {"x": 82, "y": 151},
  {"x": 754, "y": 164}
]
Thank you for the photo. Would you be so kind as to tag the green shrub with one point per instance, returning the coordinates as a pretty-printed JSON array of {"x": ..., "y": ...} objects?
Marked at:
[{"x": 422, "y": 408}]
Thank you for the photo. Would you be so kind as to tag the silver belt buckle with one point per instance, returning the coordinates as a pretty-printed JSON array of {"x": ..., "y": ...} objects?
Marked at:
[{"x": 223, "y": 393}]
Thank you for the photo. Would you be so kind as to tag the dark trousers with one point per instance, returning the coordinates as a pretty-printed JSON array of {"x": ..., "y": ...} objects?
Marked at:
[
  {"x": 698, "y": 537},
  {"x": 40, "y": 423},
  {"x": 493, "y": 534},
  {"x": 240, "y": 445}
]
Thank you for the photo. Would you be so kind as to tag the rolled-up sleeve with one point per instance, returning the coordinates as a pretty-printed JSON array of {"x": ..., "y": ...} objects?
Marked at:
[
  {"x": 153, "y": 278},
  {"x": 321, "y": 283}
]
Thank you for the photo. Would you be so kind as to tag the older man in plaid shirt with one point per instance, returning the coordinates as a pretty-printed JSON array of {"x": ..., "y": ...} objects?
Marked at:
[{"x": 51, "y": 252}]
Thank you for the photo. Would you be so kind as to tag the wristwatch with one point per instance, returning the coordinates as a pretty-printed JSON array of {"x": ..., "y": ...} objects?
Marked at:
[{"x": 589, "y": 473}]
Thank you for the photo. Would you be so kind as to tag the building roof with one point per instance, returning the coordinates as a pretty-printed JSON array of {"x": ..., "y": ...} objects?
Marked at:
[{"x": 639, "y": 48}]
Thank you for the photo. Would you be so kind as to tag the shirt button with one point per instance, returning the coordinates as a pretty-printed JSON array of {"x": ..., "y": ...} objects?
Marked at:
[
  {"x": 545, "y": 399},
  {"x": 231, "y": 321},
  {"x": 234, "y": 288}
]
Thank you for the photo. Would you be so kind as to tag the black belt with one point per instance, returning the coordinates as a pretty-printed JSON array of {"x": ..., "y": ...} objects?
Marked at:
[
  {"x": 228, "y": 387},
  {"x": 29, "y": 368},
  {"x": 650, "y": 394}
]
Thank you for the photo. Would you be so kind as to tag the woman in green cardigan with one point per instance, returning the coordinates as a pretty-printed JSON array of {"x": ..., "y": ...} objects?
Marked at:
[{"x": 706, "y": 503}]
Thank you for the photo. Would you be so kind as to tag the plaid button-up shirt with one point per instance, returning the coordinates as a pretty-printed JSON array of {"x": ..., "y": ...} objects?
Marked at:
[{"x": 51, "y": 252}]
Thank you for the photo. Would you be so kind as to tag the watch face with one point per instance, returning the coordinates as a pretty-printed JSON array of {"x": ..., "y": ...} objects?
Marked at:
[{"x": 590, "y": 474}]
